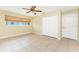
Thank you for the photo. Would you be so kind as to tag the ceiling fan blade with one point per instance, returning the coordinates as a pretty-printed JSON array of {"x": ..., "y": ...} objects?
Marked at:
[
  {"x": 25, "y": 8},
  {"x": 38, "y": 10},
  {"x": 28, "y": 12}
]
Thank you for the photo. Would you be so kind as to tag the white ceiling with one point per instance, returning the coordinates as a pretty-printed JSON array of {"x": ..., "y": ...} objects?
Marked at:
[{"x": 18, "y": 9}]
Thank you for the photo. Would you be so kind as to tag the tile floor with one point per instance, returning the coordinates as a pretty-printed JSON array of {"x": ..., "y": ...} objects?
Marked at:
[{"x": 38, "y": 43}]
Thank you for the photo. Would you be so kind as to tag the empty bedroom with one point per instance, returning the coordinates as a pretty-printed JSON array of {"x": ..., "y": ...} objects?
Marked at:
[{"x": 39, "y": 29}]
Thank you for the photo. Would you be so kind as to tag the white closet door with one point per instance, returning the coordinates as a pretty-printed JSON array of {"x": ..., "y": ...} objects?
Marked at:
[
  {"x": 50, "y": 26},
  {"x": 69, "y": 25}
]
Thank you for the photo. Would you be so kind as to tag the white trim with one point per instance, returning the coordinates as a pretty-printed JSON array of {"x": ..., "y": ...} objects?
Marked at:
[{"x": 4, "y": 37}]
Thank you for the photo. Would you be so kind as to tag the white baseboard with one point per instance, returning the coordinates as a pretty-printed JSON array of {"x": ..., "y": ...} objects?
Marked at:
[
  {"x": 4, "y": 37},
  {"x": 69, "y": 38},
  {"x": 59, "y": 38},
  {"x": 51, "y": 36}
]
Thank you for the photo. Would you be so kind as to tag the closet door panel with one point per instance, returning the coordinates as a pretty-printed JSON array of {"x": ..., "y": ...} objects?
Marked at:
[
  {"x": 50, "y": 26},
  {"x": 69, "y": 25}
]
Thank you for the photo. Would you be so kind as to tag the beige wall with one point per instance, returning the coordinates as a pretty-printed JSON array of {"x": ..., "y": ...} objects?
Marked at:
[
  {"x": 37, "y": 21},
  {"x": 37, "y": 25},
  {"x": 7, "y": 31}
]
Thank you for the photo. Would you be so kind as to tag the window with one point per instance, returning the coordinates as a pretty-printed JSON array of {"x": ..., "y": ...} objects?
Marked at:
[
  {"x": 10, "y": 23},
  {"x": 17, "y": 21}
]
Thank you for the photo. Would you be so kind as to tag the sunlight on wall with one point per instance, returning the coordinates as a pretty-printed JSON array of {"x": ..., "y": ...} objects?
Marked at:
[{"x": 7, "y": 31}]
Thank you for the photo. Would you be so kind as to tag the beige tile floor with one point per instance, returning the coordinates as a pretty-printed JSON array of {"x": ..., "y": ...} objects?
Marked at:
[{"x": 38, "y": 43}]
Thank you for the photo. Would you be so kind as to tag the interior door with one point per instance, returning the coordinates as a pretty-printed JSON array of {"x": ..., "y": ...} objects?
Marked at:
[
  {"x": 69, "y": 25},
  {"x": 50, "y": 26}
]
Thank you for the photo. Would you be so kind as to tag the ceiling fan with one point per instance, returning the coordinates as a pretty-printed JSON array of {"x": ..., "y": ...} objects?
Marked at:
[{"x": 32, "y": 9}]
